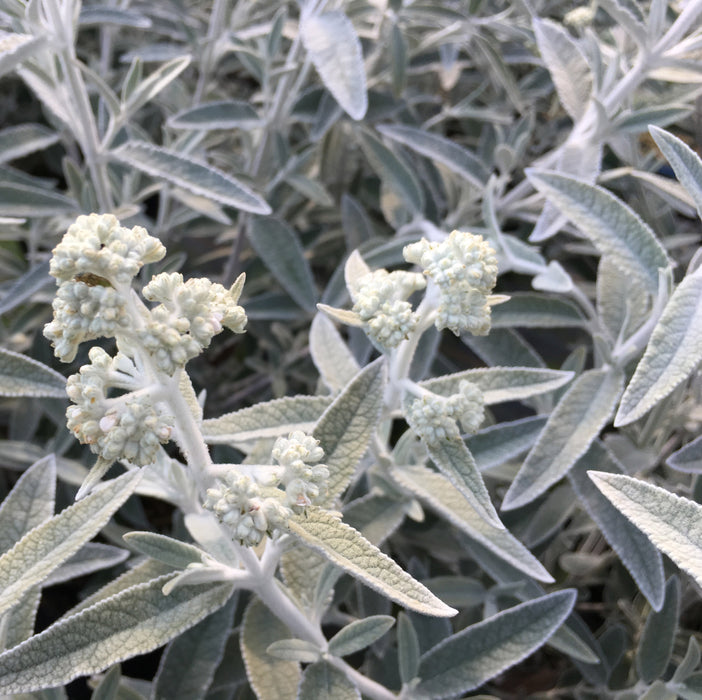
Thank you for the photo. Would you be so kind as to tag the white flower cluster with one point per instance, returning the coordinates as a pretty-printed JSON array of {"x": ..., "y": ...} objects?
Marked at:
[
  {"x": 380, "y": 301},
  {"x": 434, "y": 417},
  {"x": 96, "y": 258},
  {"x": 305, "y": 481},
  {"x": 253, "y": 510},
  {"x": 239, "y": 503},
  {"x": 124, "y": 427},
  {"x": 188, "y": 316},
  {"x": 464, "y": 268}
]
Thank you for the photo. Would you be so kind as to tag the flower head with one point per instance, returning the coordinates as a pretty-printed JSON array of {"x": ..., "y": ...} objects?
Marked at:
[
  {"x": 464, "y": 268},
  {"x": 305, "y": 481},
  {"x": 433, "y": 417},
  {"x": 380, "y": 301}
]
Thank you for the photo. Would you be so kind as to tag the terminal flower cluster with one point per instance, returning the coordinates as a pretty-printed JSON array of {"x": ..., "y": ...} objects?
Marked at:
[
  {"x": 253, "y": 509},
  {"x": 464, "y": 268},
  {"x": 434, "y": 417},
  {"x": 380, "y": 301}
]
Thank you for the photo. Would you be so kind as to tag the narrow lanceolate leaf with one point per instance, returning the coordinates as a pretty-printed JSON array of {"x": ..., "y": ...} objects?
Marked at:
[
  {"x": 656, "y": 643},
  {"x": 277, "y": 245},
  {"x": 270, "y": 678},
  {"x": 14, "y": 48},
  {"x": 349, "y": 550},
  {"x": 359, "y": 634},
  {"x": 640, "y": 557},
  {"x": 225, "y": 114},
  {"x": 672, "y": 523},
  {"x": 92, "y": 556},
  {"x": 532, "y": 310},
  {"x": 566, "y": 64},
  {"x": 688, "y": 458},
  {"x": 456, "y": 158},
  {"x": 192, "y": 175},
  {"x": 612, "y": 226},
  {"x": 436, "y": 490},
  {"x": 266, "y": 419},
  {"x": 166, "y": 549},
  {"x": 22, "y": 376},
  {"x": 45, "y": 547},
  {"x": 575, "y": 422},
  {"x": 29, "y": 504},
  {"x": 322, "y": 681},
  {"x": 18, "y": 141},
  {"x": 26, "y": 201},
  {"x": 455, "y": 461},
  {"x": 346, "y": 427},
  {"x": 672, "y": 354},
  {"x": 148, "y": 88},
  {"x": 478, "y": 653},
  {"x": 330, "y": 354},
  {"x": 190, "y": 661},
  {"x": 502, "y": 383},
  {"x": 25, "y": 286},
  {"x": 132, "y": 622},
  {"x": 335, "y": 51},
  {"x": 685, "y": 163}
]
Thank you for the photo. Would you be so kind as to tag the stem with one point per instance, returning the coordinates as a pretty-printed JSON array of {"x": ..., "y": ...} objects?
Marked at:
[{"x": 85, "y": 129}]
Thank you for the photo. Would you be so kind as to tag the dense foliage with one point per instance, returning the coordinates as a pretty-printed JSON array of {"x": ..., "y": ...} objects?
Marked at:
[{"x": 433, "y": 271}]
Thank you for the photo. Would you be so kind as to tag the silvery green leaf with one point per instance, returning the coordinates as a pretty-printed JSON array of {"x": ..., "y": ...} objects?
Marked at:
[
  {"x": 638, "y": 120},
  {"x": 14, "y": 48},
  {"x": 481, "y": 651},
  {"x": 456, "y": 463},
  {"x": 685, "y": 163},
  {"x": 148, "y": 88},
  {"x": 503, "y": 347},
  {"x": 553, "y": 278},
  {"x": 170, "y": 551},
  {"x": 436, "y": 490},
  {"x": 312, "y": 189},
  {"x": 192, "y": 175},
  {"x": 223, "y": 114},
  {"x": 499, "y": 443},
  {"x": 29, "y": 504},
  {"x": 456, "y": 158},
  {"x": 266, "y": 419},
  {"x": 672, "y": 523},
  {"x": 407, "y": 648},
  {"x": 567, "y": 65},
  {"x": 92, "y": 16},
  {"x": 690, "y": 661},
  {"x": 346, "y": 427},
  {"x": 279, "y": 248},
  {"x": 355, "y": 222},
  {"x": 575, "y": 422},
  {"x": 322, "y": 681},
  {"x": 621, "y": 299},
  {"x": 48, "y": 545},
  {"x": 109, "y": 685},
  {"x": 656, "y": 641},
  {"x": 92, "y": 556},
  {"x": 189, "y": 663},
  {"x": 550, "y": 516},
  {"x": 359, "y": 634},
  {"x": 302, "y": 571},
  {"x": 500, "y": 384},
  {"x": 270, "y": 678},
  {"x": 634, "y": 549},
  {"x": 132, "y": 622},
  {"x": 331, "y": 356},
  {"x": 295, "y": 650},
  {"x": 25, "y": 286},
  {"x": 187, "y": 390},
  {"x": 23, "y": 376},
  {"x": 142, "y": 572},
  {"x": 672, "y": 354},
  {"x": 335, "y": 51},
  {"x": 17, "y": 455},
  {"x": 399, "y": 59},
  {"x": 376, "y": 517},
  {"x": 345, "y": 316},
  {"x": 27, "y": 201},
  {"x": 612, "y": 226},
  {"x": 393, "y": 172},
  {"x": 19, "y": 622},
  {"x": 530, "y": 310},
  {"x": 688, "y": 458},
  {"x": 18, "y": 141},
  {"x": 349, "y": 550}
]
